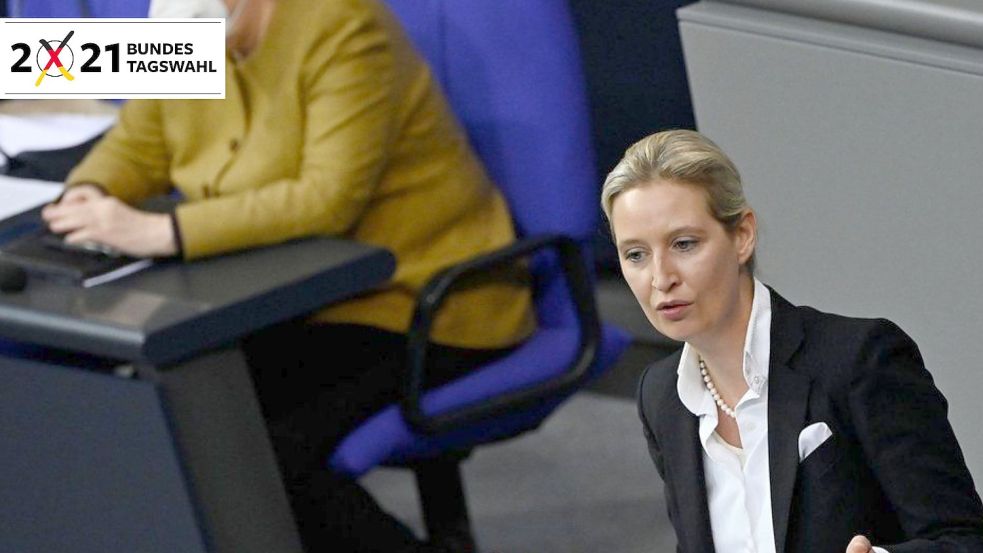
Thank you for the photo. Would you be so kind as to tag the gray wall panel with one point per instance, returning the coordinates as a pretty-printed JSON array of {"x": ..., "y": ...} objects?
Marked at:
[
  {"x": 866, "y": 173},
  {"x": 958, "y": 21}
]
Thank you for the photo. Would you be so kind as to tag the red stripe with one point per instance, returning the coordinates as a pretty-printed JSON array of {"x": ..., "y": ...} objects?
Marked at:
[{"x": 54, "y": 58}]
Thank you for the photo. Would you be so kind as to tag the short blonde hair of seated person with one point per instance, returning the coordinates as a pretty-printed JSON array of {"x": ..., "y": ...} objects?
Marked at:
[{"x": 681, "y": 156}]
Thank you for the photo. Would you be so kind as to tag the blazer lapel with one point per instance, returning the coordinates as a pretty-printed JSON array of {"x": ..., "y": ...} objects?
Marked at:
[
  {"x": 685, "y": 457},
  {"x": 788, "y": 396}
]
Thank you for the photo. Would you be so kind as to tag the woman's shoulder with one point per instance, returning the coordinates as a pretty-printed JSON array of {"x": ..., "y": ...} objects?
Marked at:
[
  {"x": 326, "y": 17},
  {"x": 832, "y": 327},
  {"x": 838, "y": 345},
  {"x": 844, "y": 329},
  {"x": 336, "y": 12}
]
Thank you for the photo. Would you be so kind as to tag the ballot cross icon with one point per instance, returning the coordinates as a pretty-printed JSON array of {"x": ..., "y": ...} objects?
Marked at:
[{"x": 54, "y": 59}]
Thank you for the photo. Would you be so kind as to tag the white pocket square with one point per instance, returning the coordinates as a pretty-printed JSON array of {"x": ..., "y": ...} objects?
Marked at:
[{"x": 812, "y": 437}]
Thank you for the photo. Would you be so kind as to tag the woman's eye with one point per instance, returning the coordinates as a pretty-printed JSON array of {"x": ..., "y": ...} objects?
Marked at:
[
  {"x": 685, "y": 244},
  {"x": 633, "y": 256}
]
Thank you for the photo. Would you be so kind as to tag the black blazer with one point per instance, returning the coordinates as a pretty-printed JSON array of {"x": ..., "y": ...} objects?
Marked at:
[{"x": 892, "y": 469}]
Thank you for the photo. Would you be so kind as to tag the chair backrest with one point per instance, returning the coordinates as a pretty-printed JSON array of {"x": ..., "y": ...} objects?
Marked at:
[
  {"x": 511, "y": 70},
  {"x": 80, "y": 8},
  {"x": 512, "y": 73}
]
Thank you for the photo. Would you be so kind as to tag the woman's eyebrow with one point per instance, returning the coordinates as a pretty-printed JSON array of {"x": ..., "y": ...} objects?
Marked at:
[
  {"x": 685, "y": 229},
  {"x": 629, "y": 242}
]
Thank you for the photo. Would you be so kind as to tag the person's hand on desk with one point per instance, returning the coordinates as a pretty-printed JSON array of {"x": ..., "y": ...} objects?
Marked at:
[
  {"x": 81, "y": 194},
  {"x": 86, "y": 214}
]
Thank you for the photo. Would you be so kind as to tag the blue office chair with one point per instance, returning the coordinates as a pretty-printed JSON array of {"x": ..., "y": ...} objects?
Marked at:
[
  {"x": 79, "y": 8},
  {"x": 511, "y": 71}
]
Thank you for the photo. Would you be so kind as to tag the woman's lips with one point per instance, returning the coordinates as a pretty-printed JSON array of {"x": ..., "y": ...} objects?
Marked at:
[{"x": 673, "y": 311}]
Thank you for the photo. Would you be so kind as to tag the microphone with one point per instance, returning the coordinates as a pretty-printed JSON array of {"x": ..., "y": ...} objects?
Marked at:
[{"x": 12, "y": 278}]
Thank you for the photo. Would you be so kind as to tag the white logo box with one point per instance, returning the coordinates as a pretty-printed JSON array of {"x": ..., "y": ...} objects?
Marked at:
[{"x": 113, "y": 58}]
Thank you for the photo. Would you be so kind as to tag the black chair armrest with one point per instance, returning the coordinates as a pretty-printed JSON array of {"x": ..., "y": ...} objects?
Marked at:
[{"x": 437, "y": 289}]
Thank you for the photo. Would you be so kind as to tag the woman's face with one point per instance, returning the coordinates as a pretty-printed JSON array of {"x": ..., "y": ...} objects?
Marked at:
[{"x": 682, "y": 265}]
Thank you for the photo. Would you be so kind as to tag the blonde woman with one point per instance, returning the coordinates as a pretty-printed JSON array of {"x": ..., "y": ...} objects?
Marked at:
[{"x": 776, "y": 428}]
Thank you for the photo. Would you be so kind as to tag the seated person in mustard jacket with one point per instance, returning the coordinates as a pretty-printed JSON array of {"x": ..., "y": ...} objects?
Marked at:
[{"x": 331, "y": 125}]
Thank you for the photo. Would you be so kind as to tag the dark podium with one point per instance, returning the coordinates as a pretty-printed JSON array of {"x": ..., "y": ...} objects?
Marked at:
[{"x": 168, "y": 452}]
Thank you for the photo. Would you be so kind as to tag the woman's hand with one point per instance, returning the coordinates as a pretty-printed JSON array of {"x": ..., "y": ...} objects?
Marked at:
[
  {"x": 86, "y": 214},
  {"x": 81, "y": 193},
  {"x": 859, "y": 544}
]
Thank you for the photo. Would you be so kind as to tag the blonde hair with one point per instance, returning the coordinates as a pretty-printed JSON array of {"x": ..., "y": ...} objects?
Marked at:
[{"x": 686, "y": 157}]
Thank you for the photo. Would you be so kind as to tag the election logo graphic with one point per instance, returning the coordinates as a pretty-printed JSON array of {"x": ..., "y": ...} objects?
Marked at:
[
  {"x": 54, "y": 57},
  {"x": 112, "y": 58}
]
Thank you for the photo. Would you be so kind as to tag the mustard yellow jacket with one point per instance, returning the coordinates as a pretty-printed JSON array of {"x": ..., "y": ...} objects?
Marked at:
[{"x": 332, "y": 126}]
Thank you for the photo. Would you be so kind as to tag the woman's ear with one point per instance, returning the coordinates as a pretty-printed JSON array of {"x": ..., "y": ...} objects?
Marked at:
[{"x": 746, "y": 236}]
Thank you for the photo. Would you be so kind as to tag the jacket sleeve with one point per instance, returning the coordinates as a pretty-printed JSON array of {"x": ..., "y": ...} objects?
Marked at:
[
  {"x": 901, "y": 421},
  {"x": 653, "y": 446},
  {"x": 131, "y": 161},
  {"x": 349, "y": 87}
]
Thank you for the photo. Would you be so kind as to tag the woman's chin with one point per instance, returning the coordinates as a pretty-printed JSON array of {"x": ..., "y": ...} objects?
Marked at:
[{"x": 674, "y": 330}]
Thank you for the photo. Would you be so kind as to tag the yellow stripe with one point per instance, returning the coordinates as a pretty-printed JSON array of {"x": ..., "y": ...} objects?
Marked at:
[{"x": 65, "y": 73}]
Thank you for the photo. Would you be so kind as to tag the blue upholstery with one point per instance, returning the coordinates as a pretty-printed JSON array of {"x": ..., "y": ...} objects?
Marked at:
[
  {"x": 511, "y": 70},
  {"x": 73, "y": 8},
  {"x": 512, "y": 73}
]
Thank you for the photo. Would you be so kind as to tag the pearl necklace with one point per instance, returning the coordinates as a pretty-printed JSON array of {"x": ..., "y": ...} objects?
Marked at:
[{"x": 713, "y": 391}]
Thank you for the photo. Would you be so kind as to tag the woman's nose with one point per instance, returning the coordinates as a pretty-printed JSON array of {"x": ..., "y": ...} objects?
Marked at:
[{"x": 663, "y": 276}]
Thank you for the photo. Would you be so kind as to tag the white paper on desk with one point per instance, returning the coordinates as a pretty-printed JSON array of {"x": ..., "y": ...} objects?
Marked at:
[
  {"x": 20, "y": 133},
  {"x": 19, "y": 195}
]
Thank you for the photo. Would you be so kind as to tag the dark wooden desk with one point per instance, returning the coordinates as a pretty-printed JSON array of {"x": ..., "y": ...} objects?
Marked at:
[{"x": 170, "y": 450}]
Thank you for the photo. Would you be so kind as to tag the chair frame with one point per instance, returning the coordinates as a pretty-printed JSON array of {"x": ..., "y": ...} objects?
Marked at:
[
  {"x": 439, "y": 480},
  {"x": 440, "y": 286}
]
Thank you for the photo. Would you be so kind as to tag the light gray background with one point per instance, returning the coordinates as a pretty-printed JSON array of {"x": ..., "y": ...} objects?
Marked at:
[{"x": 862, "y": 152}]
